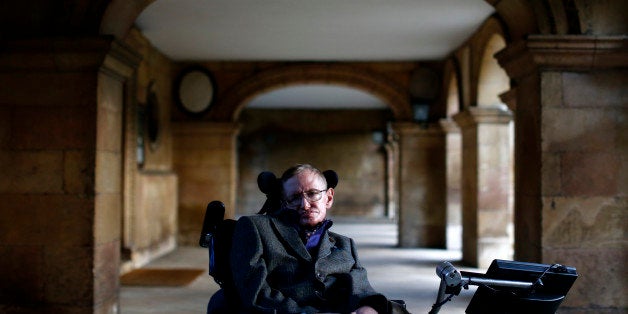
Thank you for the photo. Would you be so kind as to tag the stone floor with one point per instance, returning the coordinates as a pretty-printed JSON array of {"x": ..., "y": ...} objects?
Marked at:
[{"x": 407, "y": 274}]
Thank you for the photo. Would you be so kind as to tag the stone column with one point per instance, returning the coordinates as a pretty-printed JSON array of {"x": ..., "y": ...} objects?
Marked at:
[
  {"x": 61, "y": 146},
  {"x": 205, "y": 159},
  {"x": 392, "y": 175},
  {"x": 453, "y": 142},
  {"x": 422, "y": 203},
  {"x": 487, "y": 184},
  {"x": 571, "y": 153}
]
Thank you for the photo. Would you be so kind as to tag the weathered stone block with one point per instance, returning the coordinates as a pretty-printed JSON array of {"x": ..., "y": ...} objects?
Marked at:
[
  {"x": 590, "y": 174},
  {"x": 108, "y": 213},
  {"x": 155, "y": 219},
  {"x": 69, "y": 287},
  {"x": 551, "y": 83},
  {"x": 578, "y": 130},
  {"x": 54, "y": 128},
  {"x": 597, "y": 286},
  {"x": 600, "y": 89},
  {"x": 52, "y": 89},
  {"x": 108, "y": 169},
  {"x": 78, "y": 172},
  {"x": 584, "y": 222},
  {"x": 47, "y": 219},
  {"x": 31, "y": 172},
  {"x": 66, "y": 219},
  {"x": 551, "y": 169},
  {"x": 203, "y": 157},
  {"x": 22, "y": 273},
  {"x": 5, "y": 127},
  {"x": 106, "y": 271},
  {"x": 109, "y": 135}
]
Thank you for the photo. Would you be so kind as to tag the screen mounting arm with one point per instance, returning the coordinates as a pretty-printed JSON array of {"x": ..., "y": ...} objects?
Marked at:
[{"x": 452, "y": 281}]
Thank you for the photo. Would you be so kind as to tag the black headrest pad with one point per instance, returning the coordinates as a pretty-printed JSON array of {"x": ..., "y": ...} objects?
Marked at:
[
  {"x": 331, "y": 177},
  {"x": 268, "y": 182}
]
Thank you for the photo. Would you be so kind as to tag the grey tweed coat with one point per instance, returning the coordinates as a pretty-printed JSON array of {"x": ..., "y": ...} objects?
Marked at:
[{"x": 273, "y": 271}]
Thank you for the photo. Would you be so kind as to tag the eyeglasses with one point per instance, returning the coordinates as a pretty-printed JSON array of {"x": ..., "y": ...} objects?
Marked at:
[{"x": 294, "y": 201}]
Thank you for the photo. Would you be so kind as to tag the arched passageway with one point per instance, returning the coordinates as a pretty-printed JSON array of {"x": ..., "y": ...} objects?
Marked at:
[
  {"x": 349, "y": 140},
  {"x": 567, "y": 60}
]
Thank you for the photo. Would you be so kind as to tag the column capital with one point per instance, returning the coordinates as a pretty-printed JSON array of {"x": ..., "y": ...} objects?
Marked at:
[
  {"x": 483, "y": 115},
  {"x": 567, "y": 52},
  {"x": 449, "y": 125}
]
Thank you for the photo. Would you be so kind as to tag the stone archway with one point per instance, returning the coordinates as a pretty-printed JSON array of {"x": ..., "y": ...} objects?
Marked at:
[
  {"x": 492, "y": 80},
  {"x": 372, "y": 82}
]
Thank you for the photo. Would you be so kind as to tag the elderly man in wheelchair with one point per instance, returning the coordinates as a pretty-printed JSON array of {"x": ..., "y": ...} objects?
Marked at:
[{"x": 285, "y": 259}]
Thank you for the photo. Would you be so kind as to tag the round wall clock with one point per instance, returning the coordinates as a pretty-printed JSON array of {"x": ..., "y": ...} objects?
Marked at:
[{"x": 195, "y": 89}]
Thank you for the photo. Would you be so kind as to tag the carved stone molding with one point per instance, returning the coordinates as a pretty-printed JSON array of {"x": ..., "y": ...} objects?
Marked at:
[{"x": 568, "y": 52}]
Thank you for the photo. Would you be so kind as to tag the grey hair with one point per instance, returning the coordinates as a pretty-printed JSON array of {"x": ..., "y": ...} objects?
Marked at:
[{"x": 300, "y": 168}]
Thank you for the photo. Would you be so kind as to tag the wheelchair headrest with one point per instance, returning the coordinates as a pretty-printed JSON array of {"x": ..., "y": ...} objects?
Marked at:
[
  {"x": 268, "y": 183},
  {"x": 331, "y": 177}
]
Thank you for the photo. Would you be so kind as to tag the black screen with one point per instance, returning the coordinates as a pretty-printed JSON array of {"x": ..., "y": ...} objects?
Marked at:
[{"x": 552, "y": 284}]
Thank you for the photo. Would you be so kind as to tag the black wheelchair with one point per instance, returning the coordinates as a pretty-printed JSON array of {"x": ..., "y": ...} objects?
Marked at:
[{"x": 508, "y": 287}]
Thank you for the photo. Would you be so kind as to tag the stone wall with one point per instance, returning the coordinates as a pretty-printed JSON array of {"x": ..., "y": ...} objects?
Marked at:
[
  {"x": 61, "y": 187},
  {"x": 150, "y": 215},
  {"x": 205, "y": 161},
  {"x": 347, "y": 141},
  {"x": 570, "y": 200},
  {"x": 584, "y": 201}
]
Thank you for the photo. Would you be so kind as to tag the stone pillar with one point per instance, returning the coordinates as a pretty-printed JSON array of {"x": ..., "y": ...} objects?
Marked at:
[
  {"x": 487, "y": 184},
  {"x": 422, "y": 215},
  {"x": 114, "y": 94},
  {"x": 392, "y": 175},
  {"x": 453, "y": 142},
  {"x": 571, "y": 153},
  {"x": 61, "y": 120},
  {"x": 205, "y": 160}
]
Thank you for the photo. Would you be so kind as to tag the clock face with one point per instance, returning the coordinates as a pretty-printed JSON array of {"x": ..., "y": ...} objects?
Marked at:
[{"x": 195, "y": 90}]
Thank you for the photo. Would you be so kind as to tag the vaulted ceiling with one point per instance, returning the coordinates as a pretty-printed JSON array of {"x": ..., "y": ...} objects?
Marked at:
[{"x": 311, "y": 30}]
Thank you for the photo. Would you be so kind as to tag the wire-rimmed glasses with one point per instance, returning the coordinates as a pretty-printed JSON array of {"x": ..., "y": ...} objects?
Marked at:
[{"x": 294, "y": 201}]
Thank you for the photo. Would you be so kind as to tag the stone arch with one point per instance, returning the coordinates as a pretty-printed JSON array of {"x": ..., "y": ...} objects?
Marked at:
[
  {"x": 451, "y": 87},
  {"x": 229, "y": 108},
  {"x": 492, "y": 79},
  {"x": 119, "y": 16},
  {"x": 561, "y": 17}
]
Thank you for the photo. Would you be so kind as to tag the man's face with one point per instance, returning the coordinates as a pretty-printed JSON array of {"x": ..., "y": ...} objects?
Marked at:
[{"x": 310, "y": 212}]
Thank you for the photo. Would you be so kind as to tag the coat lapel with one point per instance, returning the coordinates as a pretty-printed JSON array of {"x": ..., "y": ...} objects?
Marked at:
[
  {"x": 290, "y": 235},
  {"x": 326, "y": 245}
]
